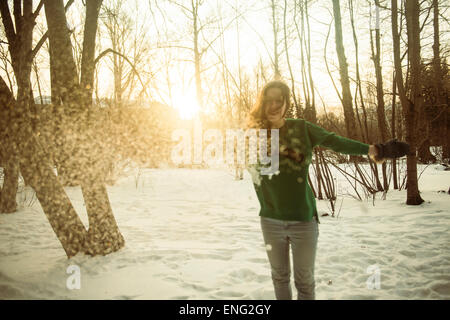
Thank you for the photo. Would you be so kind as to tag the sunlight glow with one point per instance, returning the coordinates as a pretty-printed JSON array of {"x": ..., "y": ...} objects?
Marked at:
[{"x": 186, "y": 104}]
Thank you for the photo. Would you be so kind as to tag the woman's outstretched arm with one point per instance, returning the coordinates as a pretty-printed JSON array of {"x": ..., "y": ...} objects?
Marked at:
[{"x": 378, "y": 153}]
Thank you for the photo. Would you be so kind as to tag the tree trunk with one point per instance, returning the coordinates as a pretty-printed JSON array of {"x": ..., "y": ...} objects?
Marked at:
[
  {"x": 288, "y": 60},
  {"x": 9, "y": 161},
  {"x": 87, "y": 159},
  {"x": 276, "y": 66},
  {"x": 343, "y": 71},
  {"x": 34, "y": 163},
  {"x": 394, "y": 161},
  {"x": 319, "y": 175},
  {"x": 308, "y": 58},
  {"x": 197, "y": 55},
  {"x": 113, "y": 26},
  {"x": 19, "y": 45},
  {"x": 103, "y": 235},
  {"x": 381, "y": 116},
  {"x": 365, "y": 130},
  {"x": 415, "y": 99},
  {"x": 87, "y": 59},
  {"x": 38, "y": 172},
  {"x": 65, "y": 86},
  {"x": 438, "y": 75}
]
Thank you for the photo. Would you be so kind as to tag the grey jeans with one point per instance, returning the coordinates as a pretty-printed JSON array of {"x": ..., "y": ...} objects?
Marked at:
[{"x": 301, "y": 237}]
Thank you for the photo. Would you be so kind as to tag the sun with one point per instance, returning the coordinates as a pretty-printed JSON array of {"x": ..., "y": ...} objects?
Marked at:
[{"x": 186, "y": 104}]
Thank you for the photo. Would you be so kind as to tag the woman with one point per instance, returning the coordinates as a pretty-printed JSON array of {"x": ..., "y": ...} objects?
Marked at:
[{"x": 288, "y": 210}]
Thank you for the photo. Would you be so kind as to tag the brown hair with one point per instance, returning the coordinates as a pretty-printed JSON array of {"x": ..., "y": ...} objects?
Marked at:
[{"x": 257, "y": 117}]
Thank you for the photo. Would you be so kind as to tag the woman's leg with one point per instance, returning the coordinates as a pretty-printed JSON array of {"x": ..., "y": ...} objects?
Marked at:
[
  {"x": 304, "y": 236},
  {"x": 277, "y": 248}
]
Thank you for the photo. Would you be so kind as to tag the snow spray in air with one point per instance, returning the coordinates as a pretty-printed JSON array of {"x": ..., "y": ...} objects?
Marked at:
[{"x": 241, "y": 146}]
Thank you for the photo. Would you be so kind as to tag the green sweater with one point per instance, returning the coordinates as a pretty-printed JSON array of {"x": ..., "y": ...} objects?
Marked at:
[{"x": 287, "y": 195}]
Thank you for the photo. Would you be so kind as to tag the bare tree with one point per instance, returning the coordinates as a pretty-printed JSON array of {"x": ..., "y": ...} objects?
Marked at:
[
  {"x": 393, "y": 133},
  {"x": 441, "y": 98},
  {"x": 364, "y": 130},
  {"x": 381, "y": 116},
  {"x": 276, "y": 30},
  {"x": 343, "y": 71},
  {"x": 411, "y": 104},
  {"x": 128, "y": 47},
  {"x": 304, "y": 37},
  {"x": 192, "y": 12},
  {"x": 19, "y": 35},
  {"x": 37, "y": 170},
  {"x": 79, "y": 129},
  {"x": 286, "y": 51}
]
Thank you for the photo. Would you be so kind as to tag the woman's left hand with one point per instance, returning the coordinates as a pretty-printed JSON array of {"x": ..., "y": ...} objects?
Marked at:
[{"x": 390, "y": 150}]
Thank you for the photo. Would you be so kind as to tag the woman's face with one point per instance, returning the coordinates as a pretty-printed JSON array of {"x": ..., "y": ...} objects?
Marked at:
[{"x": 274, "y": 105}]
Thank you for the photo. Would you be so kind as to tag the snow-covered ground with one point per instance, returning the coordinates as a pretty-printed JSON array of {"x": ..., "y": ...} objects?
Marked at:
[{"x": 195, "y": 234}]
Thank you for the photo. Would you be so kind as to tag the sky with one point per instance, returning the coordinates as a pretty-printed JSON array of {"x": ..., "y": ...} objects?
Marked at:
[{"x": 247, "y": 40}]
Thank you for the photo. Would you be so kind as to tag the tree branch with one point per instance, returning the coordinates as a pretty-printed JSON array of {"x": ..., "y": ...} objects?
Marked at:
[
  {"x": 326, "y": 62},
  {"x": 7, "y": 22},
  {"x": 426, "y": 18},
  {"x": 220, "y": 34},
  {"x": 173, "y": 46},
  {"x": 38, "y": 9},
  {"x": 109, "y": 50},
  {"x": 45, "y": 36},
  {"x": 17, "y": 12}
]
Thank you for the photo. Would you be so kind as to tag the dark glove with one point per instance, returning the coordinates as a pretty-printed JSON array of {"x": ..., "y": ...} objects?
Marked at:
[{"x": 391, "y": 149}]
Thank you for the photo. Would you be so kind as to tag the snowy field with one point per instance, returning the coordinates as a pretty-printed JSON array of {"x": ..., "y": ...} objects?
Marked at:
[{"x": 195, "y": 234}]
